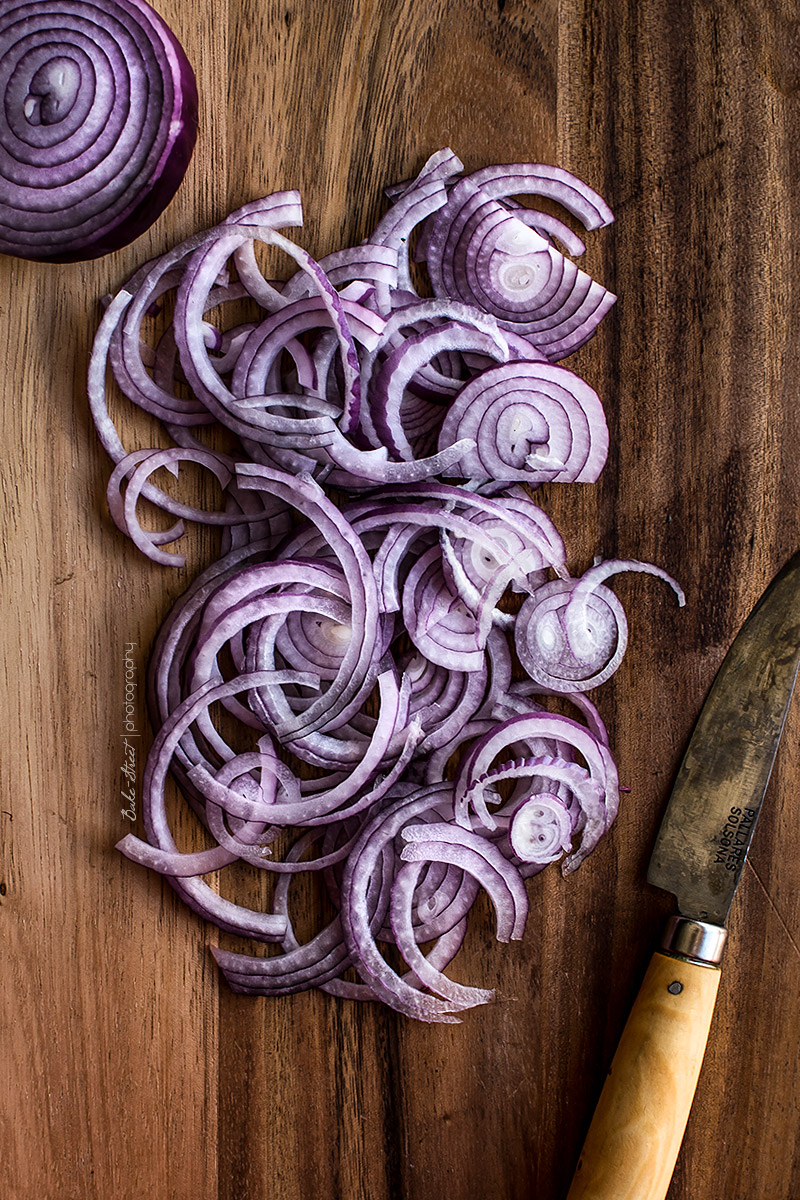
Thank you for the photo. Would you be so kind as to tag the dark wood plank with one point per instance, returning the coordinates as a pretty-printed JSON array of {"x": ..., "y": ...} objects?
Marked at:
[{"x": 688, "y": 124}]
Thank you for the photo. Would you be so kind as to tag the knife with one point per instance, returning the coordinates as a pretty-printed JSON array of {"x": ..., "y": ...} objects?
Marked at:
[{"x": 699, "y": 854}]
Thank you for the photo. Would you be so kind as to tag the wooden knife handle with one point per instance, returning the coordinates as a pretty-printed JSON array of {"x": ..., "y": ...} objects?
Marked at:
[{"x": 639, "y": 1122}]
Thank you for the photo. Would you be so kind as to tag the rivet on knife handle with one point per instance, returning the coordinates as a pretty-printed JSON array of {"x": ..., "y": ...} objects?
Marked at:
[{"x": 639, "y": 1122}]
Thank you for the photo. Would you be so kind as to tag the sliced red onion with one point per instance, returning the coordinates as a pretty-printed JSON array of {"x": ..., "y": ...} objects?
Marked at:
[
  {"x": 541, "y": 829},
  {"x": 413, "y": 203},
  {"x": 198, "y": 895},
  {"x": 479, "y": 858},
  {"x": 574, "y": 791},
  {"x": 357, "y": 469},
  {"x": 539, "y": 179},
  {"x": 135, "y": 469},
  {"x": 201, "y": 862},
  {"x": 300, "y": 632},
  {"x": 97, "y": 126},
  {"x": 480, "y": 252},
  {"x": 536, "y": 729},
  {"x": 202, "y": 271},
  {"x": 346, "y": 691},
  {"x": 543, "y": 645},
  {"x": 357, "y": 925},
  {"x": 438, "y": 622},
  {"x": 176, "y": 639},
  {"x": 400, "y": 359},
  {"x": 427, "y": 974},
  {"x": 531, "y": 422},
  {"x": 576, "y": 620},
  {"x": 442, "y": 701},
  {"x": 322, "y": 959},
  {"x": 264, "y": 345},
  {"x": 375, "y": 263}
]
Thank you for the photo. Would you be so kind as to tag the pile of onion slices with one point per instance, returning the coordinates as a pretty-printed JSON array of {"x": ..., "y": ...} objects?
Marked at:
[{"x": 358, "y": 686}]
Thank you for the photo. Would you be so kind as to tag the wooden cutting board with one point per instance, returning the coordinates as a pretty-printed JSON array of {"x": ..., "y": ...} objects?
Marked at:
[{"x": 129, "y": 1071}]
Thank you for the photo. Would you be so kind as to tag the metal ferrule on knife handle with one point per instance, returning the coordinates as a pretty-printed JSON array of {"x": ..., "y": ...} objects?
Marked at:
[{"x": 697, "y": 941}]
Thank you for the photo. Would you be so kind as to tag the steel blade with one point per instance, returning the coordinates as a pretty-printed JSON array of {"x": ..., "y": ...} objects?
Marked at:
[{"x": 706, "y": 832}]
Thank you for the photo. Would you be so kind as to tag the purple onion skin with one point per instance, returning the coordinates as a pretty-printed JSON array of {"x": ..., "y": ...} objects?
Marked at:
[{"x": 155, "y": 191}]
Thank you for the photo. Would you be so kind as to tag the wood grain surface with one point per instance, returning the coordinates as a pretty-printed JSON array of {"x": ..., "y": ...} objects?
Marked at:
[{"x": 129, "y": 1071}]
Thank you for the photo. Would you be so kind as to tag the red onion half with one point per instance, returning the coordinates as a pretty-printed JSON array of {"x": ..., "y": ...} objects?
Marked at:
[{"x": 98, "y": 122}]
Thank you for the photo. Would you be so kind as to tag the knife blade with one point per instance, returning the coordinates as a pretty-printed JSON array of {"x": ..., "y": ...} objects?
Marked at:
[{"x": 699, "y": 855}]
